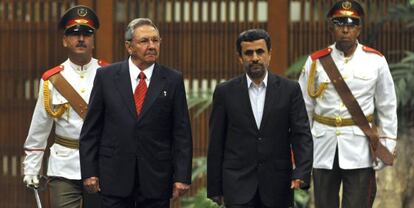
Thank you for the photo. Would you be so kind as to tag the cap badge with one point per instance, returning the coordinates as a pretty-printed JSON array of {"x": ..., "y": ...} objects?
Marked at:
[
  {"x": 81, "y": 21},
  {"x": 346, "y": 5},
  {"x": 82, "y": 12}
]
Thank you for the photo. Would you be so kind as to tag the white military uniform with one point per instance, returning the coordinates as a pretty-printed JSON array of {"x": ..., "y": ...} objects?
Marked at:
[
  {"x": 367, "y": 75},
  {"x": 63, "y": 161}
]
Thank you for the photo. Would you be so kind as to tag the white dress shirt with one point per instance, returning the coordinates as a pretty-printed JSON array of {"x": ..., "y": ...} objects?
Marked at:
[
  {"x": 257, "y": 95},
  {"x": 134, "y": 72}
]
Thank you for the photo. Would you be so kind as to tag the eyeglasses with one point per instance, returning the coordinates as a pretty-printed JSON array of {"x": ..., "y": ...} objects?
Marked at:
[{"x": 147, "y": 41}]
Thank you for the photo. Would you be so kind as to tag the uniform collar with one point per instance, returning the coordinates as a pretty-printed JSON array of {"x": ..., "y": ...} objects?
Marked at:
[
  {"x": 79, "y": 68},
  {"x": 337, "y": 54}
]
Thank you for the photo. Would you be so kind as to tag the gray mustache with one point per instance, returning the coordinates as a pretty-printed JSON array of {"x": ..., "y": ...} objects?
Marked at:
[{"x": 151, "y": 52}]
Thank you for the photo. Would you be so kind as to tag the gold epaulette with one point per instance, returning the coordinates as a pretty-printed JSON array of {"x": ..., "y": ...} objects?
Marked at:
[
  {"x": 312, "y": 73},
  {"x": 311, "y": 82},
  {"x": 46, "y": 94}
]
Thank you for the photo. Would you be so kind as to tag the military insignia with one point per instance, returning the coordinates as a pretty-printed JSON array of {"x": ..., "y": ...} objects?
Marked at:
[
  {"x": 346, "y": 5},
  {"x": 82, "y": 12}
]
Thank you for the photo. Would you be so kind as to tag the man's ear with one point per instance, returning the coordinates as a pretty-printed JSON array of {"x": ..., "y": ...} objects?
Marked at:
[
  {"x": 64, "y": 43},
  {"x": 270, "y": 54},
  {"x": 240, "y": 59},
  {"x": 128, "y": 47},
  {"x": 93, "y": 41},
  {"x": 330, "y": 26},
  {"x": 359, "y": 30}
]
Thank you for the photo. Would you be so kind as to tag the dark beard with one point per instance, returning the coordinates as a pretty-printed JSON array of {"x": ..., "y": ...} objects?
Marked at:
[{"x": 255, "y": 71}]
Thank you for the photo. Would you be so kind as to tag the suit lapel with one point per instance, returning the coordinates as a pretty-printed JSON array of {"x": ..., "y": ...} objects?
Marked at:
[
  {"x": 123, "y": 83},
  {"x": 272, "y": 91},
  {"x": 158, "y": 80},
  {"x": 244, "y": 94}
]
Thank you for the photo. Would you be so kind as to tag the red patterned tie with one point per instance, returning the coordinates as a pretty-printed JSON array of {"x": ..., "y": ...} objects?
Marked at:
[{"x": 140, "y": 91}]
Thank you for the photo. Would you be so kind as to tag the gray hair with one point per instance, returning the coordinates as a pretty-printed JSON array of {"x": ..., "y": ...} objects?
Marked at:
[{"x": 135, "y": 23}]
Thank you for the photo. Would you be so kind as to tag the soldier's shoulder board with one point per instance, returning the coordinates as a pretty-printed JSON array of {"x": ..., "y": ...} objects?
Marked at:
[
  {"x": 371, "y": 50},
  {"x": 52, "y": 72},
  {"x": 103, "y": 63},
  {"x": 321, "y": 53}
]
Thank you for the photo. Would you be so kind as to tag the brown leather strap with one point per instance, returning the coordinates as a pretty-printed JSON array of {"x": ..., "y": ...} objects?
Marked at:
[
  {"x": 66, "y": 90},
  {"x": 377, "y": 149}
]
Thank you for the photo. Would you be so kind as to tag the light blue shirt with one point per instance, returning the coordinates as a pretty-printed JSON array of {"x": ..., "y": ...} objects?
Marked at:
[{"x": 257, "y": 95}]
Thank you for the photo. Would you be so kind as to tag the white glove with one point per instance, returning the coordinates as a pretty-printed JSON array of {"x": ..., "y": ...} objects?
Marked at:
[
  {"x": 31, "y": 181},
  {"x": 379, "y": 166}
]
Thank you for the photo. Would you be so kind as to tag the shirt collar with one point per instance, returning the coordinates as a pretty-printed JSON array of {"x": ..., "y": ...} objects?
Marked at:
[
  {"x": 134, "y": 70},
  {"x": 251, "y": 83}
]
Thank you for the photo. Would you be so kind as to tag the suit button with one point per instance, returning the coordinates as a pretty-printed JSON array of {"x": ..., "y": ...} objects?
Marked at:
[{"x": 260, "y": 138}]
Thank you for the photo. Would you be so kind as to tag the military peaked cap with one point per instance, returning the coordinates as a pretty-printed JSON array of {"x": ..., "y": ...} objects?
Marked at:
[
  {"x": 346, "y": 12},
  {"x": 79, "y": 19}
]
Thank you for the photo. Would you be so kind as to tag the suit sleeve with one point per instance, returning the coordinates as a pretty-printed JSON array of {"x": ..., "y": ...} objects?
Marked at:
[
  {"x": 301, "y": 138},
  {"x": 92, "y": 131},
  {"x": 218, "y": 128},
  {"x": 183, "y": 144}
]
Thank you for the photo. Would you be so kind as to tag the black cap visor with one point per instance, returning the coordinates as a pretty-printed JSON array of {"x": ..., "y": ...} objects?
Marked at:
[
  {"x": 345, "y": 21},
  {"x": 79, "y": 29}
]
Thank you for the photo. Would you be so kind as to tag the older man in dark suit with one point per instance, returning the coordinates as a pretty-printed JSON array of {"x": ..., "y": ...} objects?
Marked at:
[
  {"x": 257, "y": 120},
  {"x": 136, "y": 144}
]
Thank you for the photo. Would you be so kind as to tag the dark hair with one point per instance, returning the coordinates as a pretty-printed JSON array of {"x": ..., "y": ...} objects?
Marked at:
[
  {"x": 252, "y": 35},
  {"x": 129, "y": 33}
]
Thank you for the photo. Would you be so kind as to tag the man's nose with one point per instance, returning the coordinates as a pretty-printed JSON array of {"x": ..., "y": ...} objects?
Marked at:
[
  {"x": 345, "y": 28},
  {"x": 255, "y": 57},
  {"x": 151, "y": 43},
  {"x": 81, "y": 37}
]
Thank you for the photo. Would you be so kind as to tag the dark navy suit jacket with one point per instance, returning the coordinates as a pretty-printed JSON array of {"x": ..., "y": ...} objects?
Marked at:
[
  {"x": 153, "y": 150},
  {"x": 243, "y": 158}
]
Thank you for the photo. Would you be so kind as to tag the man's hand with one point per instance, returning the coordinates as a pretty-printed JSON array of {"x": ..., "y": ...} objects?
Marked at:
[
  {"x": 218, "y": 199},
  {"x": 295, "y": 184},
  {"x": 180, "y": 189},
  {"x": 92, "y": 184},
  {"x": 31, "y": 181}
]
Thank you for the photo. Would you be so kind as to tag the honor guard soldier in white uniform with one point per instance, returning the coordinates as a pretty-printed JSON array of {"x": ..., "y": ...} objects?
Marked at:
[
  {"x": 343, "y": 153},
  {"x": 62, "y": 101}
]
